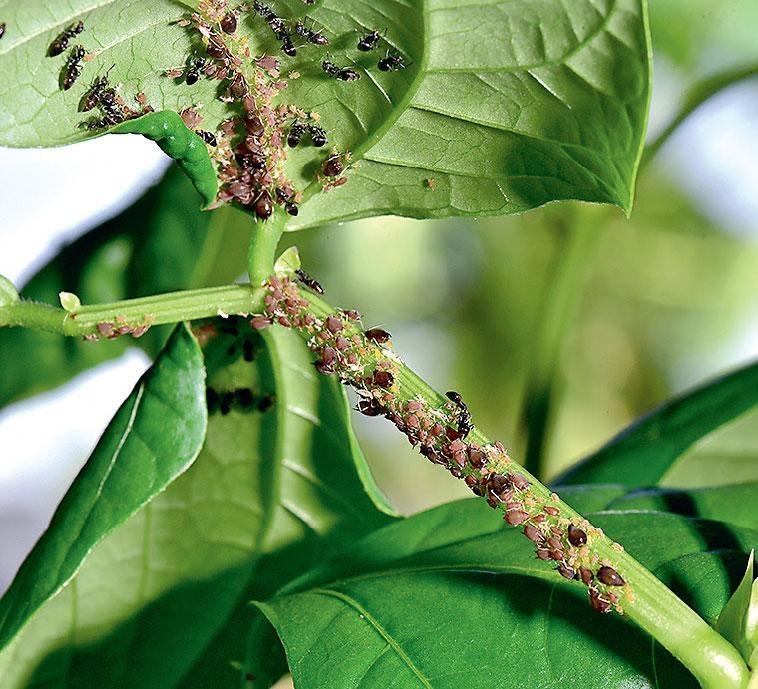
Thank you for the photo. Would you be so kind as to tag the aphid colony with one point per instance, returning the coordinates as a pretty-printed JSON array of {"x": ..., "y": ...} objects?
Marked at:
[
  {"x": 112, "y": 330},
  {"x": 365, "y": 360}
]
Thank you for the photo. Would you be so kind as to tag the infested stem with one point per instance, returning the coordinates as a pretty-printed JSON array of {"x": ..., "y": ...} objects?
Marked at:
[{"x": 134, "y": 314}]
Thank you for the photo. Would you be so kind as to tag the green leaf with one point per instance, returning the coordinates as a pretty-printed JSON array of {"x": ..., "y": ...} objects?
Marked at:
[
  {"x": 737, "y": 621},
  {"x": 733, "y": 504},
  {"x": 153, "y": 595},
  {"x": 8, "y": 293},
  {"x": 450, "y": 598},
  {"x": 154, "y": 437},
  {"x": 117, "y": 261},
  {"x": 502, "y": 106},
  {"x": 643, "y": 453}
]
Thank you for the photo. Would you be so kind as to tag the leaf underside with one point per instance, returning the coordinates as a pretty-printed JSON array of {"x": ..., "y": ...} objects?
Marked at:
[{"x": 504, "y": 106}]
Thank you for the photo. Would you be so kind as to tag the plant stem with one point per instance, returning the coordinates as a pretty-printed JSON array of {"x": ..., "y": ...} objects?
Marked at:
[
  {"x": 156, "y": 310},
  {"x": 697, "y": 96},
  {"x": 575, "y": 246},
  {"x": 262, "y": 249}
]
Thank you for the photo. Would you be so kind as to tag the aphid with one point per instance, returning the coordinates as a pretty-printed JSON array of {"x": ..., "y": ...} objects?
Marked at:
[
  {"x": 196, "y": 66},
  {"x": 73, "y": 68},
  {"x": 598, "y": 602},
  {"x": 208, "y": 137},
  {"x": 229, "y": 23},
  {"x": 341, "y": 73},
  {"x": 216, "y": 48},
  {"x": 62, "y": 40},
  {"x": 576, "y": 536},
  {"x": 264, "y": 205},
  {"x": 370, "y": 407},
  {"x": 244, "y": 398},
  {"x": 265, "y": 403},
  {"x": 369, "y": 41},
  {"x": 318, "y": 135},
  {"x": 391, "y": 62},
  {"x": 2, "y": 29},
  {"x": 248, "y": 350},
  {"x": 377, "y": 335},
  {"x": 211, "y": 398},
  {"x": 309, "y": 282},
  {"x": 383, "y": 379},
  {"x": 288, "y": 47},
  {"x": 609, "y": 576},
  {"x": 315, "y": 37},
  {"x": 333, "y": 165},
  {"x": 566, "y": 572},
  {"x": 225, "y": 404},
  {"x": 295, "y": 134},
  {"x": 239, "y": 88}
]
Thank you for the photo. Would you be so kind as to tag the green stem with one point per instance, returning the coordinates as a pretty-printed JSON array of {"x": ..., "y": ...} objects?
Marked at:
[
  {"x": 709, "y": 656},
  {"x": 696, "y": 97},
  {"x": 262, "y": 249},
  {"x": 565, "y": 290},
  {"x": 164, "y": 308}
]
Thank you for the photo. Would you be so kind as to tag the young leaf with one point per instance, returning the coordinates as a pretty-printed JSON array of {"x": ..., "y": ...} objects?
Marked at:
[
  {"x": 644, "y": 452},
  {"x": 448, "y": 598},
  {"x": 735, "y": 620},
  {"x": 499, "y": 108},
  {"x": 276, "y": 475},
  {"x": 118, "y": 261},
  {"x": 153, "y": 438}
]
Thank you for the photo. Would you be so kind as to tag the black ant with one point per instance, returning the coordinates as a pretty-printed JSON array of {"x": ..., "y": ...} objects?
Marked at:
[
  {"x": 464, "y": 416},
  {"x": 288, "y": 47},
  {"x": 391, "y": 62},
  {"x": 295, "y": 134},
  {"x": 341, "y": 73},
  {"x": 318, "y": 135},
  {"x": 377, "y": 335},
  {"x": 62, "y": 40},
  {"x": 73, "y": 68},
  {"x": 315, "y": 37},
  {"x": 95, "y": 93},
  {"x": 369, "y": 41},
  {"x": 309, "y": 282}
]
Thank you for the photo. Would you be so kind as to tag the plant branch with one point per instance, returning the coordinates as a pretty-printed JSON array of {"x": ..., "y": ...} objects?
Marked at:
[
  {"x": 262, "y": 249},
  {"x": 133, "y": 316},
  {"x": 439, "y": 426},
  {"x": 697, "y": 96}
]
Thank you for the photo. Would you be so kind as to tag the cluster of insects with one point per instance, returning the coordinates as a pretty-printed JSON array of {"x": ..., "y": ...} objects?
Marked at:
[
  {"x": 243, "y": 399},
  {"x": 365, "y": 360},
  {"x": 110, "y": 331},
  {"x": 72, "y": 68}
]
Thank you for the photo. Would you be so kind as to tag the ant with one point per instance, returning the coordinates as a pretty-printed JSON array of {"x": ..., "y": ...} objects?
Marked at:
[
  {"x": 197, "y": 65},
  {"x": 96, "y": 93},
  {"x": 341, "y": 73},
  {"x": 309, "y": 282},
  {"x": 391, "y": 62},
  {"x": 464, "y": 416},
  {"x": 73, "y": 68},
  {"x": 318, "y": 135},
  {"x": 62, "y": 40},
  {"x": 208, "y": 137},
  {"x": 295, "y": 134},
  {"x": 369, "y": 41}
]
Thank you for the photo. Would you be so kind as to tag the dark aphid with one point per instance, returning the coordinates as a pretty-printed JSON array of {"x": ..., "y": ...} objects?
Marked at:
[
  {"x": 225, "y": 404},
  {"x": 291, "y": 208},
  {"x": 598, "y": 602},
  {"x": 93, "y": 96},
  {"x": 391, "y": 62},
  {"x": 341, "y": 73},
  {"x": 309, "y": 282},
  {"x": 566, "y": 572},
  {"x": 2, "y": 29},
  {"x": 369, "y": 407},
  {"x": 243, "y": 397},
  {"x": 62, "y": 40},
  {"x": 369, "y": 41},
  {"x": 216, "y": 48},
  {"x": 383, "y": 379},
  {"x": 315, "y": 37},
  {"x": 333, "y": 165},
  {"x": 288, "y": 47},
  {"x": 264, "y": 205},
  {"x": 229, "y": 23},
  {"x": 295, "y": 134},
  {"x": 211, "y": 398},
  {"x": 609, "y": 576},
  {"x": 208, "y": 137},
  {"x": 576, "y": 536},
  {"x": 586, "y": 575},
  {"x": 377, "y": 335},
  {"x": 239, "y": 88},
  {"x": 248, "y": 350},
  {"x": 318, "y": 135},
  {"x": 265, "y": 403},
  {"x": 197, "y": 65},
  {"x": 533, "y": 534},
  {"x": 73, "y": 68}
]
